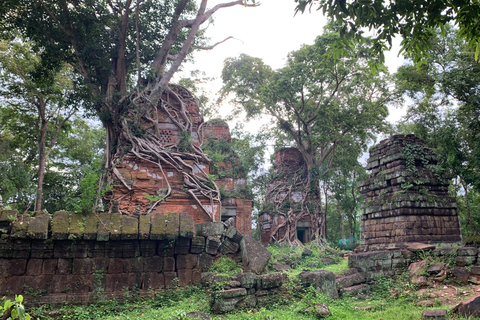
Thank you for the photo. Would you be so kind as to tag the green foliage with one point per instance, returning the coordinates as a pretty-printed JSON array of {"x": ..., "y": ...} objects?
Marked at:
[
  {"x": 225, "y": 265},
  {"x": 184, "y": 143},
  {"x": 16, "y": 309},
  {"x": 415, "y": 22}
]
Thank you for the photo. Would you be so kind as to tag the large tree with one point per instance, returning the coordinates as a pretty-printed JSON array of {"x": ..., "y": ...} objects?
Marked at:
[
  {"x": 317, "y": 102},
  {"x": 44, "y": 106},
  {"x": 414, "y": 21},
  {"x": 445, "y": 107},
  {"x": 125, "y": 53}
]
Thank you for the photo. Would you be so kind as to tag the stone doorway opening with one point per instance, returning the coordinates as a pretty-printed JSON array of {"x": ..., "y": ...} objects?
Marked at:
[{"x": 304, "y": 234}]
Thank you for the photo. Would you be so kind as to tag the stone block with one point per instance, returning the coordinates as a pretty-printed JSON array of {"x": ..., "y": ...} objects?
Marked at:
[
  {"x": 115, "y": 226},
  {"x": 467, "y": 251},
  {"x": 153, "y": 264},
  {"x": 460, "y": 274},
  {"x": 204, "y": 261},
  {"x": 212, "y": 244},
  {"x": 103, "y": 229},
  {"x": 171, "y": 279},
  {"x": 14, "y": 285},
  {"x": 7, "y": 216},
  {"x": 96, "y": 250},
  {"x": 166, "y": 248},
  {"x": 83, "y": 266},
  {"x": 49, "y": 266},
  {"x": 169, "y": 264},
  {"x": 247, "y": 280},
  {"x": 15, "y": 267},
  {"x": 153, "y": 281},
  {"x": 130, "y": 249},
  {"x": 185, "y": 277},
  {"x": 20, "y": 227},
  {"x": 63, "y": 249},
  {"x": 148, "y": 248},
  {"x": 91, "y": 225},
  {"x": 198, "y": 245},
  {"x": 37, "y": 284},
  {"x": 116, "y": 265},
  {"x": 209, "y": 229},
  {"x": 34, "y": 267},
  {"x": 165, "y": 226},
  {"x": 64, "y": 266},
  {"x": 272, "y": 280},
  {"x": 475, "y": 270},
  {"x": 114, "y": 249},
  {"x": 38, "y": 227},
  {"x": 323, "y": 281},
  {"x": 228, "y": 246},
  {"x": 463, "y": 261},
  {"x": 144, "y": 227},
  {"x": 129, "y": 228},
  {"x": 186, "y": 225},
  {"x": 60, "y": 284},
  {"x": 76, "y": 226},
  {"x": 351, "y": 280},
  {"x": 357, "y": 289},
  {"x": 42, "y": 249},
  {"x": 6, "y": 248},
  {"x": 254, "y": 255},
  {"x": 60, "y": 225},
  {"x": 233, "y": 234},
  {"x": 186, "y": 261},
  {"x": 182, "y": 245},
  {"x": 470, "y": 307},
  {"x": 434, "y": 314}
]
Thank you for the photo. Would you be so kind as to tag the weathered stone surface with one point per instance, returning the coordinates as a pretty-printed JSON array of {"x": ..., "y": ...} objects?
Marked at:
[
  {"x": 417, "y": 246},
  {"x": 434, "y": 314},
  {"x": 272, "y": 280},
  {"x": 357, "y": 289},
  {"x": 228, "y": 246},
  {"x": 103, "y": 229},
  {"x": 247, "y": 280},
  {"x": 419, "y": 280},
  {"x": 232, "y": 293},
  {"x": 144, "y": 226},
  {"x": 254, "y": 255},
  {"x": 320, "y": 310},
  {"x": 198, "y": 245},
  {"x": 233, "y": 234},
  {"x": 60, "y": 225},
  {"x": 165, "y": 226},
  {"x": 470, "y": 307},
  {"x": 212, "y": 244},
  {"x": 475, "y": 270},
  {"x": 209, "y": 229},
  {"x": 91, "y": 224},
  {"x": 322, "y": 280},
  {"x": 197, "y": 315},
  {"x": 437, "y": 267},
  {"x": 281, "y": 267},
  {"x": 460, "y": 274},
  {"x": 186, "y": 225},
  {"x": 350, "y": 280},
  {"x": 129, "y": 227},
  {"x": 418, "y": 268},
  {"x": 38, "y": 227}
]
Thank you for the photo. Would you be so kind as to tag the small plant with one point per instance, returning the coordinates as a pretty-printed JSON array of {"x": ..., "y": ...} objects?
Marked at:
[
  {"x": 14, "y": 309},
  {"x": 225, "y": 265}
]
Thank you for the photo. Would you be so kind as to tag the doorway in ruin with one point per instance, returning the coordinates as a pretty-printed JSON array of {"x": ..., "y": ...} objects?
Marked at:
[{"x": 304, "y": 231}]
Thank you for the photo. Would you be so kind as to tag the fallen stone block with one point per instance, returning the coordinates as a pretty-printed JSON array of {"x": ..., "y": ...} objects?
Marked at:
[
  {"x": 470, "y": 307},
  {"x": 358, "y": 289},
  {"x": 434, "y": 314},
  {"x": 209, "y": 229},
  {"x": 254, "y": 255},
  {"x": 323, "y": 281},
  {"x": 350, "y": 280}
]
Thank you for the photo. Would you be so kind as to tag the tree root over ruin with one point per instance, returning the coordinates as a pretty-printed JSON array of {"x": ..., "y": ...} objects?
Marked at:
[
  {"x": 292, "y": 197},
  {"x": 139, "y": 137}
]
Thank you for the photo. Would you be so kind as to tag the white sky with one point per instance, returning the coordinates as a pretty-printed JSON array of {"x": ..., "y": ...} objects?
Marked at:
[{"x": 269, "y": 31}]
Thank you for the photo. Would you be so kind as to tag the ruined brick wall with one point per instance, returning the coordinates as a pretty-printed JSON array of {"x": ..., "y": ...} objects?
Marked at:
[
  {"x": 406, "y": 196},
  {"x": 234, "y": 203},
  {"x": 81, "y": 258}
]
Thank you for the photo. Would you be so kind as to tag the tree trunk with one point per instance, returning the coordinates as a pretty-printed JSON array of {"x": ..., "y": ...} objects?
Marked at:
[{"x": 41, "y": 162}]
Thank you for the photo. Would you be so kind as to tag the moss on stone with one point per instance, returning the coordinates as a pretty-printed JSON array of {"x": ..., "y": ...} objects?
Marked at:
[
  {"x": 186, "y": 225},
  {"x": 60, "y": 225},
  {"x": 129, "y": 227},
  {"x": 8, "y": 215},
  {"x": 116, "y": 226},
  {"x": 20, "y": 227},
  {"x": 103, "y": 230},
  {"x": 144, "y": 227},
  {"x": 38, "y": 227},
  {"x": 91, "y": 224},
  {"x": 77, "y": 226}
]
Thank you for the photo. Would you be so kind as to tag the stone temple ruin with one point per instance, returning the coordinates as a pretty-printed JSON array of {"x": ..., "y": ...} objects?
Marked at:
[
  {"x": 145, "y": 184},
  {"x": 284, "y": 198},
  {"x": 406, "y": 196}
]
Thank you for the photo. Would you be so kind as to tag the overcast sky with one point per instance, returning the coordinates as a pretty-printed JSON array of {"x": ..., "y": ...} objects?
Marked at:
[{"x": 269, "y": 31}]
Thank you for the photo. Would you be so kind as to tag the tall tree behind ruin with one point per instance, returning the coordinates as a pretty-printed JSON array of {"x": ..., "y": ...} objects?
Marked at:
[
  {"x": 445, "y": 109},
  {"x": 125, "y": 52},
  {"x": 317, "y": 101}
]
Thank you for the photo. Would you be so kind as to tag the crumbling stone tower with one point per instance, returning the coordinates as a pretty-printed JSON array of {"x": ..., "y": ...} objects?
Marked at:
[{"x": 406, "y": 196}]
